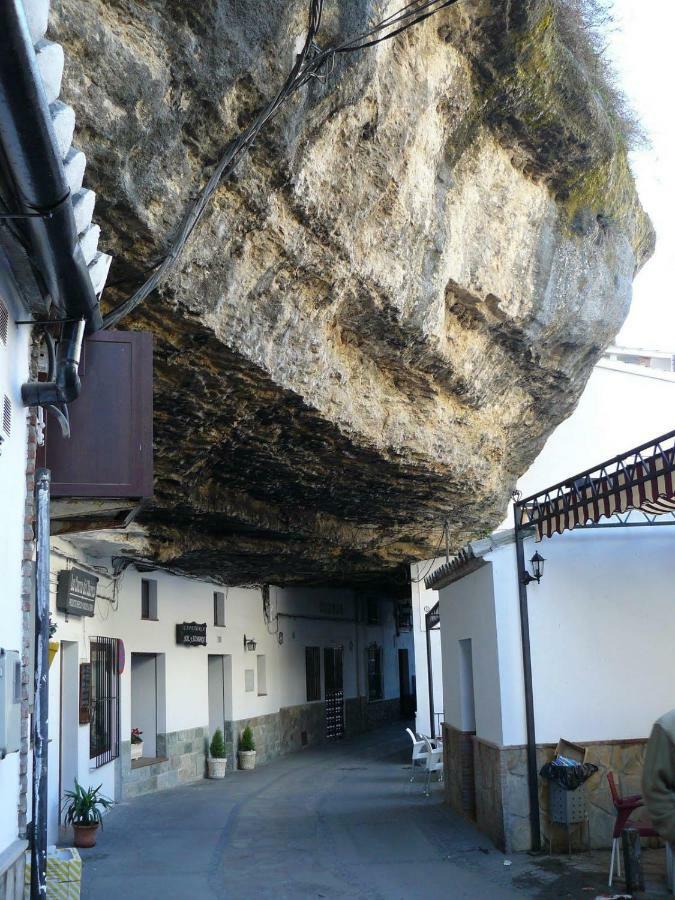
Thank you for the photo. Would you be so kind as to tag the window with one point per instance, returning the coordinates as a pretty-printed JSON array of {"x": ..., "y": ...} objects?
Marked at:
[
  {"x": 374, "y": 670},
  {"x": 313, "y": 673},
  {"x": 373, "y": 611},
  {"x": 261, "y": 664},
  {"x": 149, "y": 599},
  {"x": 249, "y": 680},
  {"x": 104, "y": 723},
  {"x": 219, "y": 609}
]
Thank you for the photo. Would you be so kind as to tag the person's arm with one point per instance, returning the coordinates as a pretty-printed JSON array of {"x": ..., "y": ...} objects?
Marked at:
[{"x": 658, "y": 782}]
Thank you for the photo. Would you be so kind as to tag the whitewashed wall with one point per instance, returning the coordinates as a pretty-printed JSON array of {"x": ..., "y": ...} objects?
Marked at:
[
  {"x": 423, "y": 599},
  {"x": 186, "y": 668},
  {"x": 602, "y": 631},
  {"x": 467, "y": 610},
  {"x": 14, "y": 358}
]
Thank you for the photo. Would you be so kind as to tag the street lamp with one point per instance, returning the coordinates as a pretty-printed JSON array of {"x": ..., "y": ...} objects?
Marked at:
[{"x": 537, "y": 569}]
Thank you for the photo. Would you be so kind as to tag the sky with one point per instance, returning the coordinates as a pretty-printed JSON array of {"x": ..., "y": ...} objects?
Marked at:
[{"x": 641, "y": 45}]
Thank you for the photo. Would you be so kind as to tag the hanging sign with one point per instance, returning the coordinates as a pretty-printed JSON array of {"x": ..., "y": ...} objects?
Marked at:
[
  {"x": 191, "y": 634},
  {"x": 76, "y": 592}
]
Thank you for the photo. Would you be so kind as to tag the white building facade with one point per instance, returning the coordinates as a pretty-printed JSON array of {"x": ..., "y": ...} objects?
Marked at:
[
  {"x": 601, "y": 626},
  {"x": 303, "y": 646}
]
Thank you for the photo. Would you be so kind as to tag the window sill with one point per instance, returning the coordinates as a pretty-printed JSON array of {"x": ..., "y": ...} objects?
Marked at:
[
  {"x": 262, "y": 695},
  {"x": 148, "y": 619},
  {"x": 378, "y": 700}
]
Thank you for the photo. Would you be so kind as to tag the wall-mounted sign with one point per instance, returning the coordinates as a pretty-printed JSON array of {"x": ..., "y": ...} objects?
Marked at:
[
  {"x": 85, "y": 693},
  {"x": 76, "y": 592},
  {"x": 191, "y": 634}
]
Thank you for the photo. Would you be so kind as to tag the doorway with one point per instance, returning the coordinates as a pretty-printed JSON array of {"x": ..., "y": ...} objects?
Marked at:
[
  {"x": 406, "y": 697},
  {"x": 220, "y": 692},
  {"x": 69, "y": 725},
  {"x": 144, "y": 701},
  {"x": 335, "y": 700}
]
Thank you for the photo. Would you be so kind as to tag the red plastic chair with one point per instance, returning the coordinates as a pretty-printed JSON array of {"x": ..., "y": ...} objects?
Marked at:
[{"x": 624, "y": 807}]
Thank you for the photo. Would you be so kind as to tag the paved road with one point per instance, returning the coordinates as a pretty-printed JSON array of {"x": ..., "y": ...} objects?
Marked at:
[{"x": 341, "y": 821}]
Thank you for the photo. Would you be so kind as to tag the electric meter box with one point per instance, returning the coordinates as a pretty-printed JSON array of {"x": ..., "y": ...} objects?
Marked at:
[{"x": 10, "y": 702}]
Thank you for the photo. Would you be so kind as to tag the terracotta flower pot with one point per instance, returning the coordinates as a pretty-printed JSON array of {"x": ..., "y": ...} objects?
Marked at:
[
  {"x": 247, "y": 759},
  {"x": 217, "y": 767},
  {"x": 85, "y": 835}
]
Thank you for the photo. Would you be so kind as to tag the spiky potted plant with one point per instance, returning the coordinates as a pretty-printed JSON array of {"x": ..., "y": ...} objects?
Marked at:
[
  {"x": 84, "y": 812},
  {"x": 217, "y": 761},
  {"x": 246, "y": 749}
]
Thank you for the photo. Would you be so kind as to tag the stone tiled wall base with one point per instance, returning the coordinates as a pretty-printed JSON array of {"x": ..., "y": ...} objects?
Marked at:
[
  {"x": 626, "y": 760},
  {"x": 502, "y": 801},
  {"x": 266, "y": 734},
  {"x": 185, "y": 753},
  {"x": 308, "y": 718},
  {"x": 458, "y": 762}
]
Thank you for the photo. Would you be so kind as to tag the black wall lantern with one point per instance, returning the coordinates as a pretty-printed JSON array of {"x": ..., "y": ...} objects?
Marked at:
[
  {"x": 249, "y": 643},
  {"x": 537, "y": 569}
]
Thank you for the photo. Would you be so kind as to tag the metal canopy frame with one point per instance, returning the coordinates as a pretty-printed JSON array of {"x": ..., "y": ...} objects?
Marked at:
[
  {"x": 636, "y": 485},
  {"x": 432, "y": 619}
]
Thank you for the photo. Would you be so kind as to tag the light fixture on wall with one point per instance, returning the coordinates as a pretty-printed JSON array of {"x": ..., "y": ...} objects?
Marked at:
[
  {"x": 537, "y": 569},
  {"x": 249, "y": 643}
]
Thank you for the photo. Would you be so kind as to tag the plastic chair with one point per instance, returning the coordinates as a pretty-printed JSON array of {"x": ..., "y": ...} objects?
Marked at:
[
  {"x": 419, "y": 751},
  {"x": 624, "y": 807},
  {"x": 434, "y": 763}
]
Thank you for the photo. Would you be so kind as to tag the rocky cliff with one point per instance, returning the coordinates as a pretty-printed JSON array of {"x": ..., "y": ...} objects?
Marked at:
[{"x": 397, "y": 297}]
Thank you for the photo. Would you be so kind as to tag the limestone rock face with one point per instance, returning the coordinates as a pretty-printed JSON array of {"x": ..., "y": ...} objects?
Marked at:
[{"x": 398, "y": 296}]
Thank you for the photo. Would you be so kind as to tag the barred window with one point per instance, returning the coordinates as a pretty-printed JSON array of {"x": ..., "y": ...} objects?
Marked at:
[
  {"x": 104, "y": 725},
  {"x": 313, "y": 673}
]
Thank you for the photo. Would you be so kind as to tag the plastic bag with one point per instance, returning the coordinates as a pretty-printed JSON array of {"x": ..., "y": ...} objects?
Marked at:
[{"x": 568, "y": 777}]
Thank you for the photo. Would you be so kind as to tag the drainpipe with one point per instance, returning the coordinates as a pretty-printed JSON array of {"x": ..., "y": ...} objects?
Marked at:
[
  {"x": 41, "y": 203},
  {"x": 38, "y": 883},
  {"x": 532, "y": 773},
  {"x": 430, "y": 677}
]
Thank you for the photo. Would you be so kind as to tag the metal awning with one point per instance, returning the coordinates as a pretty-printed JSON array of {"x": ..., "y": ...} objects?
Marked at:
[{"x": 641, "y": 479}]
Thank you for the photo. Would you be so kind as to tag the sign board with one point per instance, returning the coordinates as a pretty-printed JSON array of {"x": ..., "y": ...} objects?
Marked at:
[
  {"x": 85, "y": 692},
  {"x": 76, "y": 592},
  {"x": 191, "y": 634}
]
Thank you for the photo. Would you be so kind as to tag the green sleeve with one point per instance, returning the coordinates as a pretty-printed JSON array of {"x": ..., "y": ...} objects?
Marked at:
[{"x": 658, "y": 782}]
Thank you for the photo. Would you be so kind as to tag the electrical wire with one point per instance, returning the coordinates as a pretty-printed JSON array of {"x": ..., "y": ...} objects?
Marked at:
[
  {"x": 433, "y": 559},
  {"x": 308, "y": 65}
]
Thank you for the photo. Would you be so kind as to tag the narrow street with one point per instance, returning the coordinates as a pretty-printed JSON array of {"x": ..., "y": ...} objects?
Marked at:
[{"x": 337, "y": 821}]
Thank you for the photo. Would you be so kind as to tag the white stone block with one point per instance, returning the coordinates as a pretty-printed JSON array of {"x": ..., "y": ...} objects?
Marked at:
[
  {"x": 74, "y": 165},
  {"x": 83, "y": 208},
  {"x": 37, "y": 16},
  {"x": 89, "y": 242},
  {"x": 63, "y": 120},
  {"x": 49, "y": 58},
  {"x": 98, "y": 271}
]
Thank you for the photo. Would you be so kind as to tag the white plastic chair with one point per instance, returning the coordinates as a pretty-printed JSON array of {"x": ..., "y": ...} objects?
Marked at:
[
  {"x": 434, "y": 763},
  {"x": 419, "y": 751}
]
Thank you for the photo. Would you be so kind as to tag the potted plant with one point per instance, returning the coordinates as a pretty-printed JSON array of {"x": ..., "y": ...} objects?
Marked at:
[
  {"x": 246, "y": 749},
  {"x": 136, "y": 743},
  {"x": 217, "y": 761},
  {"x": 83, "y": 812}
]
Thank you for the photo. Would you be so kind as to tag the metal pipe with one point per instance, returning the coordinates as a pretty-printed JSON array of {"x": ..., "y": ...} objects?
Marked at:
[
  {"x": 38, "y": 884},
  {"x": 430, "y": 676},
  {"x": 532, "y": 773}
]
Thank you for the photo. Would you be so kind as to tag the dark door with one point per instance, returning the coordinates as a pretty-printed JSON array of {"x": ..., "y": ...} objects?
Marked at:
[
  {"x": 404, "y": 684},
  {"x": 335, "y": 701}
]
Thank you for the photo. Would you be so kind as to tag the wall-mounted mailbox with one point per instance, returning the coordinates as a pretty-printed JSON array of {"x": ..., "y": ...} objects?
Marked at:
[
  {"x": 109, "y": 453},
  {"x": 10, "y": 702}
]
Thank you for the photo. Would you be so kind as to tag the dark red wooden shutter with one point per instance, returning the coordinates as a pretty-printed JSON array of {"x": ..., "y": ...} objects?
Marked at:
[{"x": 109, "y": 453}]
